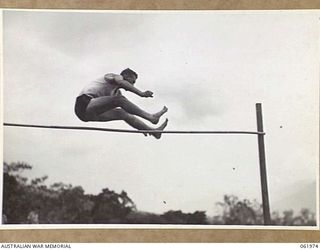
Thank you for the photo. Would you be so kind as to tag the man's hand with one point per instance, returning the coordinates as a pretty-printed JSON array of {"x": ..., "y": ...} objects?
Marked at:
[{"x": 147, "y": 94}]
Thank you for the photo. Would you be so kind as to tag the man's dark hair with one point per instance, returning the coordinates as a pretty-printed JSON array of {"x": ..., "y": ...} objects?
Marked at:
[{"x": 128, "y": 72}]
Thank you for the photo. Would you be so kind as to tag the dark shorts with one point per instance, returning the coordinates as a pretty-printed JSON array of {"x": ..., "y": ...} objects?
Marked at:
[{"x": 81, "y": 106}]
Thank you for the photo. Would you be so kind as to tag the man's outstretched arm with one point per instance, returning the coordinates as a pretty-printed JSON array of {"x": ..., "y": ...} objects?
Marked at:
[{"x": 129, "y": 87}]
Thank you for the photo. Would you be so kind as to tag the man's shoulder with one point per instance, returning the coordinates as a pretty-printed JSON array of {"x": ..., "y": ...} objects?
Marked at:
[{"x": 112, "y": 77}]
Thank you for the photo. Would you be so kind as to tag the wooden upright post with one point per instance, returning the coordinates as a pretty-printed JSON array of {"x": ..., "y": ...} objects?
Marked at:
[{"x": 263, "y": 170}]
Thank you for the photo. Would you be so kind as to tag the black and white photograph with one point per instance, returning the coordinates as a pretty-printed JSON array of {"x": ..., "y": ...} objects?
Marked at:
[{"x": 161, "y": 119}]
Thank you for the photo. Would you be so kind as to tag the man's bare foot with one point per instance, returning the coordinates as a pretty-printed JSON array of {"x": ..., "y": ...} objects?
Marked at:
[
  {"x": 157, "y": 135},
  {"x": 156, "y": 116}
]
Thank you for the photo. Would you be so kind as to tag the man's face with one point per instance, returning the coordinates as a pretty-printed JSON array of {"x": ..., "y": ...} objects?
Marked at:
[{"x": 131, "y": 78}]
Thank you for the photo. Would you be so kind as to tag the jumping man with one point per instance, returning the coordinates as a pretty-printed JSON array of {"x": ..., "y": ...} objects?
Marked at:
[{"x": 102, "y": 101}]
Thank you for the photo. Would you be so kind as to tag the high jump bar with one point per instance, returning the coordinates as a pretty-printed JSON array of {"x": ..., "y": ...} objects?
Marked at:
[{"x": 133, "y": 131}]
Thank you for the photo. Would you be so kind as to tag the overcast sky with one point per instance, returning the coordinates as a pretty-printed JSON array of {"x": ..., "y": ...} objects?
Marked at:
[{"x": 208, "y": 68}]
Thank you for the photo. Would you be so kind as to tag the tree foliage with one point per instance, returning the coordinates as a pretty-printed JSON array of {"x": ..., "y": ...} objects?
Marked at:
[
  {"x": 245, "y": 212},
  {"x": 239, "y": 212},
  {"x": 59, "y": 203},
  {"x": 33, "y": 201}
]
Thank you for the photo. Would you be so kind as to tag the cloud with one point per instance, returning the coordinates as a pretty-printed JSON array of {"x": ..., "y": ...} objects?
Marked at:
[
  {"x": 194, "y": 103},
  {"x": 196, "y": 98}
]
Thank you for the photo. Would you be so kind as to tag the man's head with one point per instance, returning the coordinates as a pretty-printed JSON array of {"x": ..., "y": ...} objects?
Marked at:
[{"x": 129, "y": 75}]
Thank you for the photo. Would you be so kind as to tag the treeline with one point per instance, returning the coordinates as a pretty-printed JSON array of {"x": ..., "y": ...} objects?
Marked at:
[{"x": 33, "y": 201}]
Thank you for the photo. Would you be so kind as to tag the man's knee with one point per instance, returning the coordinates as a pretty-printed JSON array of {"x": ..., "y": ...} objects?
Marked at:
[{"x": 121, "y": 100}]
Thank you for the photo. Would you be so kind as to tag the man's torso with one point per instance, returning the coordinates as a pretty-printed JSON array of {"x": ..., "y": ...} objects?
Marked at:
[{"x": 102, "y": 87}]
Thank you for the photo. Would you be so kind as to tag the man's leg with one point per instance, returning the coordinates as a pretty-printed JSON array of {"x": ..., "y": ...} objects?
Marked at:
[
  {"x": 120, "y": 114},
  {"x": 102, "y": 104}
]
